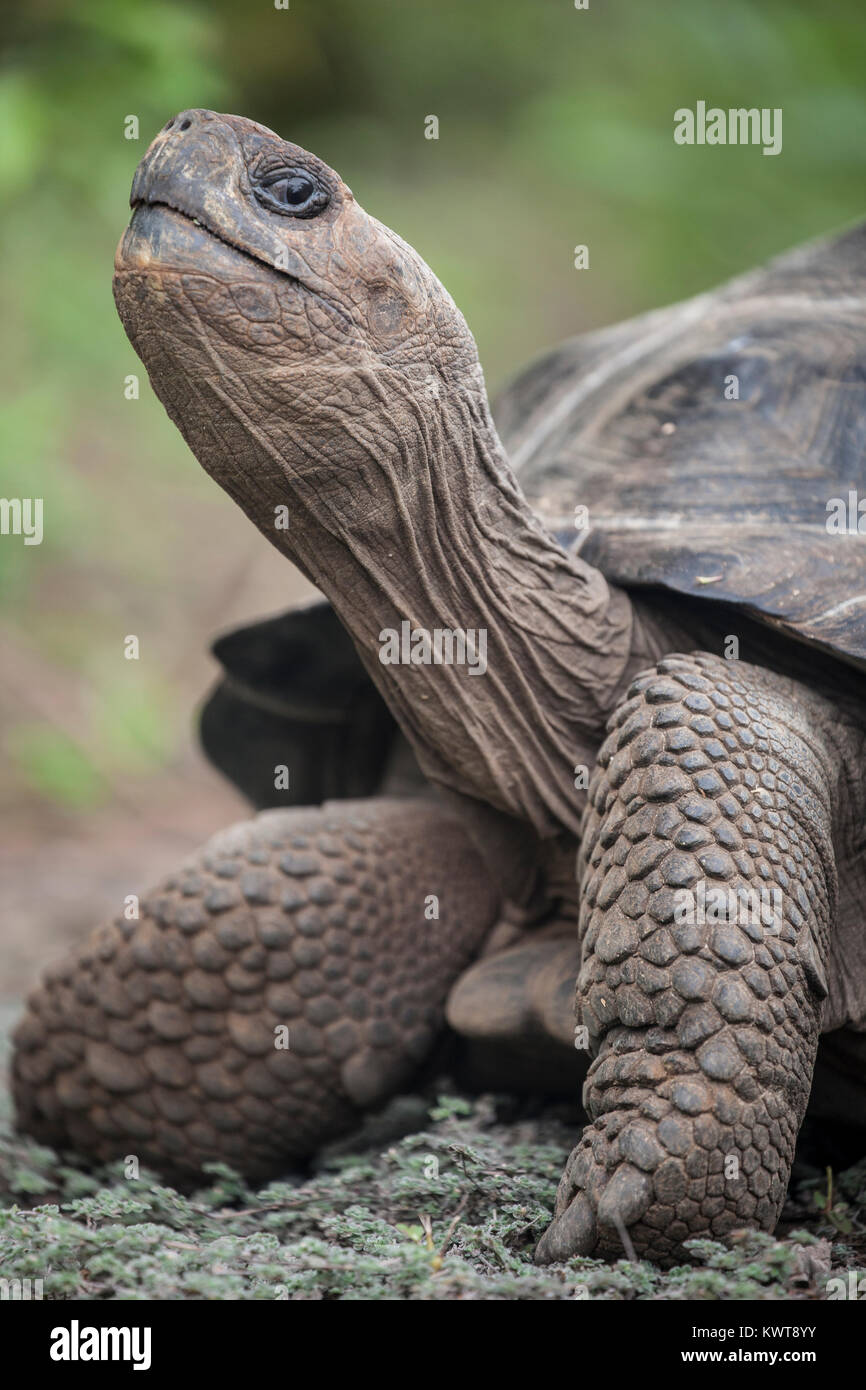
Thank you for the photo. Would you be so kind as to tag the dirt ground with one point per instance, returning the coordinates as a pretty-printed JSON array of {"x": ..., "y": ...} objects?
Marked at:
[
  {"x": 61, "y": 875},
  {"x": 64, "y": 870}
]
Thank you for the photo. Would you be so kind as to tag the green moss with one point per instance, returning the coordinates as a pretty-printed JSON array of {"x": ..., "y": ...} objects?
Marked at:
[{"x": 451, "y": 1210}]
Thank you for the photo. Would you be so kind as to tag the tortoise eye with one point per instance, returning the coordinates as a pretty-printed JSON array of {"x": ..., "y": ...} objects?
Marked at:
[{"x": 292, "y": 192}]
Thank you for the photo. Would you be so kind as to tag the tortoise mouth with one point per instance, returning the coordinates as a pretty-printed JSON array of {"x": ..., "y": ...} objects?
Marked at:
[{"x": 163, "y": 235}]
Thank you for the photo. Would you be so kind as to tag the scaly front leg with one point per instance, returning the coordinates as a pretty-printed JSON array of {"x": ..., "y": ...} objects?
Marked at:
[{"x": 708, "y": 896}]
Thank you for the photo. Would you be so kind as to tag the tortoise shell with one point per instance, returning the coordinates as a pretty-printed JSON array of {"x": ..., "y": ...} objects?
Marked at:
[
  {"x": 717, "y": 445},
  {"x": 295, "y": 694}
]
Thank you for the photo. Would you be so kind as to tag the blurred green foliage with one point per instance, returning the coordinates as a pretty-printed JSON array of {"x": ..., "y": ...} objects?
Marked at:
[{"x": 555, "y": 129}]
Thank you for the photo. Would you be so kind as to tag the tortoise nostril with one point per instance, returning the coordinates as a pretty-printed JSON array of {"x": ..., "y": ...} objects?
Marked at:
[
  {"x": 185, "y": 125},
  {"x": 168, "y": 125}
]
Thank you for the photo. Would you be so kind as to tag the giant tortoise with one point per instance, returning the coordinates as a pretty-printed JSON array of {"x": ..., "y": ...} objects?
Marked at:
[{"x": 600, "y": 717}]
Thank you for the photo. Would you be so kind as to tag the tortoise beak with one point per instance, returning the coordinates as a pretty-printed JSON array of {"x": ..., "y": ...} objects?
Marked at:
[
  {"x": 160, "y": 237},
  {"x": 192, "y": 164}
]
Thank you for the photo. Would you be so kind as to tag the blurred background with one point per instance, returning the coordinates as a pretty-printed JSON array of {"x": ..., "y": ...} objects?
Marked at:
[{"x": 555, "y": 128}]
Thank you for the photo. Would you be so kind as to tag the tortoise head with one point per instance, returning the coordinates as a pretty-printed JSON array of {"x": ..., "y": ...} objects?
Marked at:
[
  {"x": 325, "y": 378},
  {"x": 247, "y": 259}
]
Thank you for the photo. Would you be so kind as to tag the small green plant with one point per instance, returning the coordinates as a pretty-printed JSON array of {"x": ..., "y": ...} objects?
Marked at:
[
  {"x": 452, "y": 1210},
  {"x": 835, "y": 1211}
]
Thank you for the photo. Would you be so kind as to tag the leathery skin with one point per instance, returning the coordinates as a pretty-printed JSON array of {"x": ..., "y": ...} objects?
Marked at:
[{"x": 284, "y": 980}]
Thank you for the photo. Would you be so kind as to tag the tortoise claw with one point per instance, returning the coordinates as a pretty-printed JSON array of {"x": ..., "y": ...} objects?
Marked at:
[
  {"x": 575, "y": 1232},
  {"x": 595, "y": 1210},
  {"x": 625, "y": 1198}
]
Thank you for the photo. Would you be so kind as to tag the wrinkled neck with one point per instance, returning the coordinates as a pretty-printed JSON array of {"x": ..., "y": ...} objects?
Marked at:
[
  {"x": 439, "y": 539},
  {"x": 386, "y": 483}
]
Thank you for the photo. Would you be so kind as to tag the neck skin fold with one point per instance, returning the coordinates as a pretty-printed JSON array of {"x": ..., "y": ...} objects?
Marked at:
[{"x": 424, "y": 522}]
